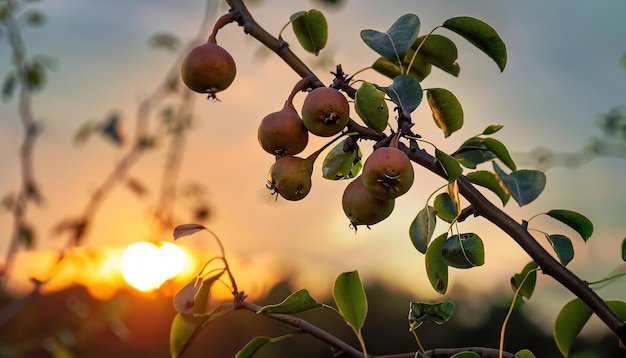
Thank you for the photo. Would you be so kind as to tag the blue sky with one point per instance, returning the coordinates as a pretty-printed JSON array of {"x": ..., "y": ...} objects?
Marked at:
[{"x": 563, "y": 71}]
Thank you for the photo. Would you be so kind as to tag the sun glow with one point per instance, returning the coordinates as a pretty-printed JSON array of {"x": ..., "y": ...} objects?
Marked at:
[{"x": 146, "y": 266}]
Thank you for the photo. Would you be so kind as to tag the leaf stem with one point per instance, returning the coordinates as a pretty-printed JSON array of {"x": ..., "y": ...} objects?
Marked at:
[{"x": 508, "y": 315}]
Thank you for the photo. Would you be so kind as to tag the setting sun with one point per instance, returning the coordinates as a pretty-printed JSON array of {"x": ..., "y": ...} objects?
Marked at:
[{"x": 146, "y": 265}]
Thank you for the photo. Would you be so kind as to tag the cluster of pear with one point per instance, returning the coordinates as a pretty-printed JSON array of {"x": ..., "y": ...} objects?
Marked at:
[
  {"x": 370, "y": 197},
  {"x": 325, "y": 112},
  {"x": 387, "y": 172}
]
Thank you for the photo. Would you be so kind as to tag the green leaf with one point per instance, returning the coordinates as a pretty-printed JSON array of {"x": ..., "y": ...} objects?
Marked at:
[
  {"x": 497, "y": 148},
  {"x": 258, "y": 342},
  {"x": 439, "y": 51},
  {"x": 445, "y": 207},
  {"x": 438, "y": 313},
  {"x": 350, "y": 298},
  {"x": 311, "y": 30},
  {"x": 524, "y": 353},
  {"x": 488, "y": 180},
  {"x": 576, "y": 221},
  {"x": 446, "y": 109},
  {"x": 422, "y": 228},
  {"x": 527, "y": 279},
  {"x": 342, "y": 165},
  {"x": 524, "y": 185},
  {"x": 436, "y": 268},
  {"x": 573, "y": 317},
  {"x": 481, "y": 35},
  {"x": 624, "y": 249},
  {"x": 183, "y": 329},
  {"x": 396, "y": 42},
  {"x": 568, "y": 324},
  {"x": 463, "y": 251},
  {"x": 467, "y": 354},
  {"x": 452, "y": 167},
  {"x": 370, "y": 105},
  {"x": 299, "y": 301},
  {"x": 492, "y": 129},
  {"x": 563, "y": 247},
  {"x": 419, "y": 70},
  {"x": 619, "y": 307},
  {"x": 473, "y": 152},
  {"x": 405, "y": 91}
]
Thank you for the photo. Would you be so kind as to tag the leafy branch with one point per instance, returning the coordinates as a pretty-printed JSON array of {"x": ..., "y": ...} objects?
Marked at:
[
  {"x": 463, "y": 250},
  {"x": 480, "y": 205}
]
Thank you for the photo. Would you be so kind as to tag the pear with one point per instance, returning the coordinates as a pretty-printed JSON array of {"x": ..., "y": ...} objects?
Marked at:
[
  {"x": 208, "y": 68},
  {"x": 361, "y": 207},
  {"x": 283, "y": 132},
  {"x": 387, "y": 173},
  {"x": 325, "y": 111},
  {"x": 290, "y": 176}
]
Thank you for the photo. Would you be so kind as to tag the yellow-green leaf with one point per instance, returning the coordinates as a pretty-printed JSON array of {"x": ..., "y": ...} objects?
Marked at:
[{"x": 446, "y": 109}]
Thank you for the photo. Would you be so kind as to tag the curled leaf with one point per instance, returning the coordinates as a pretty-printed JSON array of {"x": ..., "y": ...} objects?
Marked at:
[
  {"x": 422, "y": 228},
  {"x": 438, "y": 313},
  {"x": 187, "y": 229},
  {"x": 526, "y": 280},
  {"x": 436, "y": 268},
  {"x": 447, "y": 110},
  {"x": 311, "y": 30},
  {"x": 576, "y": 221},
  {"x": 463, "y": 251},
  {"x": 481, "y": 35}
]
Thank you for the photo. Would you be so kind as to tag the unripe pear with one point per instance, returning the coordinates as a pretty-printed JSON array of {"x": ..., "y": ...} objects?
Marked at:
[
  {"x": 208, "y": 68},
  {"x": 387, "y": 173},
  {"x": 325, "y": 111},
  {"x": 361, "y": 207},
  {"x": 283, "y": 132},
  {"x": 290, "y": 177}
]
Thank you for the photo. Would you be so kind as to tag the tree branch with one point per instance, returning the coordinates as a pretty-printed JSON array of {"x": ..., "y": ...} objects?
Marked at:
[
  {"x": 485, "y": 208},
  {"x": 481, "y": 205},
  {"x": 303, "y": 326},
  {"x": 243, "y": 17}
]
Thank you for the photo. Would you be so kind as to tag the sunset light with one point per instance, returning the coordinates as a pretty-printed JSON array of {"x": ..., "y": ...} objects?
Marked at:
[{"x": 146, "y": 265}]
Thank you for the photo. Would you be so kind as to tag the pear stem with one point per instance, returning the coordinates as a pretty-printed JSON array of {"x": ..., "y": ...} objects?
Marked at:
[
  {"x": 395, "y": 140},
  {"x": 221, "y": 22},
  {"x": 301, "y": 85}
]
